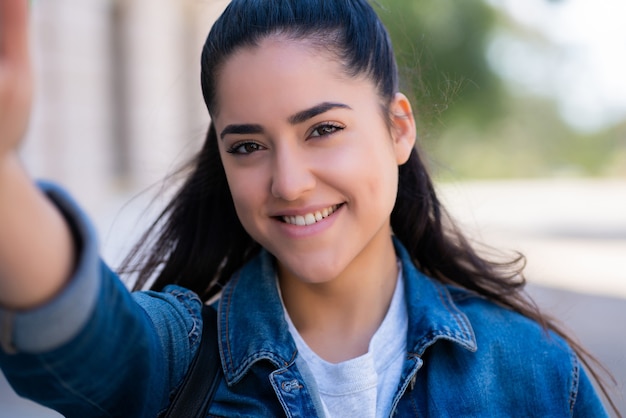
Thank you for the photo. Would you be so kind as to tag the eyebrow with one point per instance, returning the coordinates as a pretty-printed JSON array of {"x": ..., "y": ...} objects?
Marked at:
[
  {"x": 244, "y": 129},
  {"x": 302, "y": 116},
  {"x": 307, "y": 114}
]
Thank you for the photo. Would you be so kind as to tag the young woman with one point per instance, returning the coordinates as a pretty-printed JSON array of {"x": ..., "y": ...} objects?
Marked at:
[{"x": 342, "y": 289}]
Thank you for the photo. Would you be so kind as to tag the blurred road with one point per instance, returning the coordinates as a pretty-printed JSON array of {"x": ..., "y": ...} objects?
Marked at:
[{"x": 572, "y": 231}]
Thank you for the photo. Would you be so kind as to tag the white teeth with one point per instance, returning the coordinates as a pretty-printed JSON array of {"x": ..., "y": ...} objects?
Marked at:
[{"x": 310, "y": 218}]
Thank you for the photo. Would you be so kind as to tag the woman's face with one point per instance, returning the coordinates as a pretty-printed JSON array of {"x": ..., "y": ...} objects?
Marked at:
[{"x": 311, "y": 164}]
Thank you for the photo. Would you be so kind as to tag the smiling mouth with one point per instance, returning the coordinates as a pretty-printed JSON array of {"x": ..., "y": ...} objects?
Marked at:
[{"x": 310, "y": 218}]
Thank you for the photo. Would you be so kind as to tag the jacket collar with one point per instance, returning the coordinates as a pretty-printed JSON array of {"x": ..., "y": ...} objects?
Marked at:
[
  {"x": 433, "y": 315},
  {"x": 252, "y": 325},
  {"x": 251, "y": 320}
]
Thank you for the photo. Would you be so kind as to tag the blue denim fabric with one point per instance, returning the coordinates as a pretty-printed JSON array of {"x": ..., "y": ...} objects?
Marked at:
[{"x": 126, "y": 353}]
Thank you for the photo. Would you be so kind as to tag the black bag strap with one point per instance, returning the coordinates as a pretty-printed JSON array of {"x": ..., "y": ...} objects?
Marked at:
[{"x": 195, "y": 394}]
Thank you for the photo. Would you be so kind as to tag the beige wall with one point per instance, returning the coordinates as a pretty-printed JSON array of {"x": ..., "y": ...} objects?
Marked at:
[
  {"x": 117, "y": 105},
  {"x": 118, "y": 100}
]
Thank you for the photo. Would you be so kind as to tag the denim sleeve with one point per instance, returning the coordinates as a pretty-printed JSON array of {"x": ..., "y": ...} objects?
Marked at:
[
  {"x": 587, "y": 402},
  {"x": 97, "y": 350},
  {"x": 48, "y": 326}
]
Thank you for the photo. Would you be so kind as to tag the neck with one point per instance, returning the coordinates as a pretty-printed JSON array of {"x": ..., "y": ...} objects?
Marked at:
[{"x": 338, "y": 318}]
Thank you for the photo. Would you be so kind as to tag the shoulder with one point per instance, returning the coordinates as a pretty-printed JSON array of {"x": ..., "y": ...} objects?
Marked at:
[
  {"x": 499, "y": 328},
  {"x": 174, "y": 307},
  {"x": 515, "y": 368},
  {"x": 175, "y": 316},
  {"x": 512, "y": 348}
]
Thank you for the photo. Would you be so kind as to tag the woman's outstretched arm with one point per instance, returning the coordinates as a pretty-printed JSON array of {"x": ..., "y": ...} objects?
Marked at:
[
  {"x": 36, "y": 249},
  {"x": 71, "y": 335}
]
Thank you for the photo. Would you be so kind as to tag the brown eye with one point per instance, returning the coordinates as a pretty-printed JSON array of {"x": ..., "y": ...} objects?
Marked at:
[
  {"x": 325, "y": 129},
  {"x": 245, "y": 148}
]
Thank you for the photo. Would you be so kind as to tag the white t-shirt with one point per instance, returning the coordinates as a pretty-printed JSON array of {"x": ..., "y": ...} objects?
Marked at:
[{"x": 363, "y": 386}]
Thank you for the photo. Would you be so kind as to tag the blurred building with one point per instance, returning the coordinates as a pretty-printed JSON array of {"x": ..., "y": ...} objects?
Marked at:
[{"x": 118, "y": 102}]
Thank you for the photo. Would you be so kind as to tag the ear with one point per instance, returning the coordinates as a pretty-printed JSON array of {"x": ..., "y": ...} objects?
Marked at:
[{"x": 403, "y": 131}]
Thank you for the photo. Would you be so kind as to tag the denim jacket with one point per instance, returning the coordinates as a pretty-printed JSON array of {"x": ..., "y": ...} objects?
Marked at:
[{"x": 98, "y": 350}]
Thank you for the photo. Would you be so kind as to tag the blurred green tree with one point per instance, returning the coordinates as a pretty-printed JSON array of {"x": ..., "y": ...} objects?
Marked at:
[
  {"x": 440, "y": 46},
  {"x": 469, "y": 120}
]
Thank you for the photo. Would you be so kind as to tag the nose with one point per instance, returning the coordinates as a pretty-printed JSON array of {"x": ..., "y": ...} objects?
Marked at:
[{"x": 291, "y": 175}]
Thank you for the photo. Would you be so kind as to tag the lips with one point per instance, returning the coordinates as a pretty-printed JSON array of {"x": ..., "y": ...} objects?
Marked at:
[{"x": 310, "y": 218}]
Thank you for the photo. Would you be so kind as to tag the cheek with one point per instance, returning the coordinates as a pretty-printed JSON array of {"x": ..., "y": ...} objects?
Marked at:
[
  {"x": 385, "y": 187},
  {"x": 380, "y": 178},
  {"x": 374, "y": 167},
  {"x": 245, "y": 189},
  {"x": 369, "y": 177}
]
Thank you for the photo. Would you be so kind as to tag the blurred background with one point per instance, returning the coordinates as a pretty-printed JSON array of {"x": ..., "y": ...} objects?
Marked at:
[{"x": 521, "y": 108}]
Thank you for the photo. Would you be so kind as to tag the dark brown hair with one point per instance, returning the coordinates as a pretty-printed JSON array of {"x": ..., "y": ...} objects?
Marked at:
[{"x": 198, "y": 242}]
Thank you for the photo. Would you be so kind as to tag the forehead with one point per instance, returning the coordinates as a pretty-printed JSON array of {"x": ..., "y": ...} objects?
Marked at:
[{"x": 282, "y": 76}]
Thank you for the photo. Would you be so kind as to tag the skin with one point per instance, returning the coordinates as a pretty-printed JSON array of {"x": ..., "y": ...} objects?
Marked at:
[
  {"x": 297, "y": 135},
  {"x": 36, "y": 250}
]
